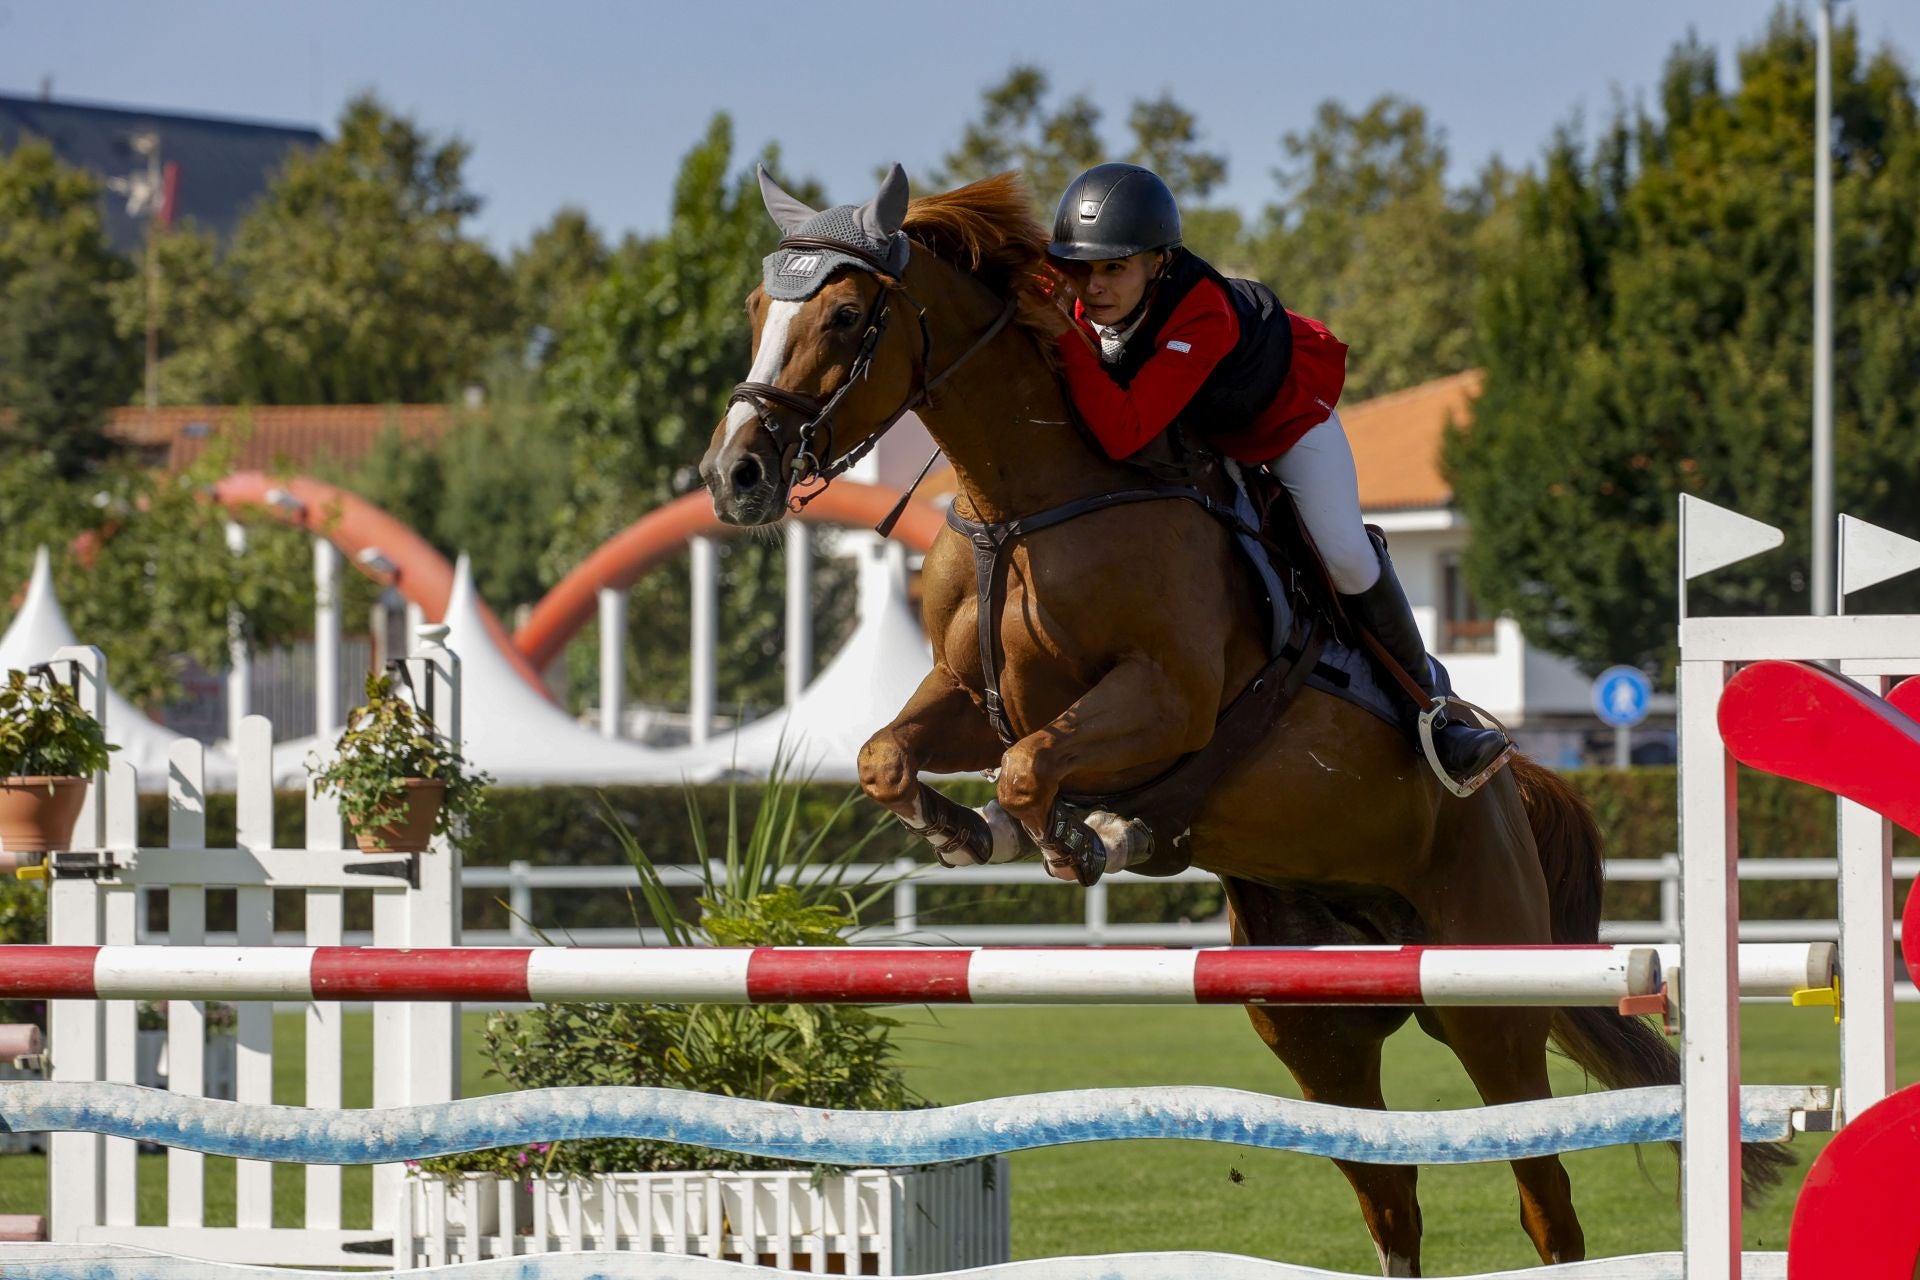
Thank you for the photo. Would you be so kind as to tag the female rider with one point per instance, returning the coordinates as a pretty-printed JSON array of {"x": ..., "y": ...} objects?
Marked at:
[{"x": 1177, "y": 340}]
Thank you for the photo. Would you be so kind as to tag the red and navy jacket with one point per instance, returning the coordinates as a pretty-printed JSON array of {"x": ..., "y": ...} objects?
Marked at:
[{"x": 1221, "y": 356}]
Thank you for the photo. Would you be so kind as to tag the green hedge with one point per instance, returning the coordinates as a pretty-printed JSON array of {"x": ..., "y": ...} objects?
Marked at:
[{"x": 564, "y": 826}]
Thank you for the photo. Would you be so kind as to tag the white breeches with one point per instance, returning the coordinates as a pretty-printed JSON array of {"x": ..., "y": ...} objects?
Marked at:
[{"x": 1318, "y": 472}]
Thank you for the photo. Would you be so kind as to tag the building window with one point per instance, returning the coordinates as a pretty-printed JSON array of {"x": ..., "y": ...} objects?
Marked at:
[{"x": 1464, "y": 628}]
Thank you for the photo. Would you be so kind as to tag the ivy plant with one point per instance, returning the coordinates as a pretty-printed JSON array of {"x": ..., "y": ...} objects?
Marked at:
[
  {"x": 45, "y": 732},
  {"x": 389, "y": 739}
]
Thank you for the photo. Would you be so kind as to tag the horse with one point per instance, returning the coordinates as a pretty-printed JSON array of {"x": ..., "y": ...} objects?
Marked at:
[{"x": 1120, "y": 637}]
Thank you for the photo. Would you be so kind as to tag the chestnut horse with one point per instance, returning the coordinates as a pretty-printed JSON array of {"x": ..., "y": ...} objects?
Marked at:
[{"x": 1124, "y": 632}]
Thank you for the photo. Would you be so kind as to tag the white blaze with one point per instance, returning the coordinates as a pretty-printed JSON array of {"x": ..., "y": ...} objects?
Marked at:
[{"x": 768, "y": 361}]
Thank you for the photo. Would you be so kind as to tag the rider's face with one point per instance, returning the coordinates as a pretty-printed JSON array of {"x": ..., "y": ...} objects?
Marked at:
[{"x": 1113, "y": 288}]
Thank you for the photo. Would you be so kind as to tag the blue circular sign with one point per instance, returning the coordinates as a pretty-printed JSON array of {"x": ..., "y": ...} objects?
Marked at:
[{"x": 1620, "y": 696}]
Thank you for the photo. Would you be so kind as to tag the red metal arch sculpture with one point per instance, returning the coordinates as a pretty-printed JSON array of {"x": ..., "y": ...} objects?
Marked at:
[
  {"x": 354, "y": 525},
  {"x": 629, "y": 555}
]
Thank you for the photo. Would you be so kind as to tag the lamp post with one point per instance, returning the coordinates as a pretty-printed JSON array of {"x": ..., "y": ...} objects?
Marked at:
[{"x": 1823, "y": 525}]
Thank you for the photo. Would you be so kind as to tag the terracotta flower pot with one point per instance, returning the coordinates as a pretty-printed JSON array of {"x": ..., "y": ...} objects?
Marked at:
[
  {"x": 37, "y": 813},
  {"x": 423, "y": 797}
]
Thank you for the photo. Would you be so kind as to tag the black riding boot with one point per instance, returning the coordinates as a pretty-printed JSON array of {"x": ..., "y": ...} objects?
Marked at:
[{"x": 1465, "y": 750}]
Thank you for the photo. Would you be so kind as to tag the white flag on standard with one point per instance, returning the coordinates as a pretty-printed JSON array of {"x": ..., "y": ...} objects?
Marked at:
[
  {"x": 1713, "y": 537},
  {"x": 1870, "y": 554}
]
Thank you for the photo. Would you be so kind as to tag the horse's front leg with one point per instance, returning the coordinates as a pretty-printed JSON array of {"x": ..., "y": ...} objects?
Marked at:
[
  {"x": 1138, "y": 714},
  {"x": 940, "y": 730}
]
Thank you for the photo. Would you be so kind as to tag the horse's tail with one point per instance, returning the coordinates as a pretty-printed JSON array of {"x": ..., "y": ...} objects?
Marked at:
[{"x": 1619, "y": 1052}]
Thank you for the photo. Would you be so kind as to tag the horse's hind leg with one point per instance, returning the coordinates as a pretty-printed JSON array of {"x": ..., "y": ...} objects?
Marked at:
[
  {"x": 1505, "y": 1054},
  {"x": 1334, "y": 1055}
]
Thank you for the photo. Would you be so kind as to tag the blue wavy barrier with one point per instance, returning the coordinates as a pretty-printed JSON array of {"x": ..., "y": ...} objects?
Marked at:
[{"x": 884, "y": 1138}]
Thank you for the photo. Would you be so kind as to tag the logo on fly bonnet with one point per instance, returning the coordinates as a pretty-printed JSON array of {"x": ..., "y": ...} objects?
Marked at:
[{"x": 800, "y": 264}]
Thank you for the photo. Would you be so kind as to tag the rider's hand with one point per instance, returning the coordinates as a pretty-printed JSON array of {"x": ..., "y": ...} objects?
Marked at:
[{"x": 1046, "y": 301}]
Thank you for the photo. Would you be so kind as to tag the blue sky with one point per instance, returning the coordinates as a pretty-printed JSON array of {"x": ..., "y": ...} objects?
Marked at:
[{"x": 592, "y": 104}]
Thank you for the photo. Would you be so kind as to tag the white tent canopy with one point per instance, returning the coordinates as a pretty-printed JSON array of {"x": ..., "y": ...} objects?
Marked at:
[
  {"x": 513, "y": 733},
  {"x": 862, "y": 689},
  {"x": 40, "y": 628}
]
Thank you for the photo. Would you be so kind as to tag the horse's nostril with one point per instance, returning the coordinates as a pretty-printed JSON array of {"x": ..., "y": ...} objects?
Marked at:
[{"x": 745, "y": 474}]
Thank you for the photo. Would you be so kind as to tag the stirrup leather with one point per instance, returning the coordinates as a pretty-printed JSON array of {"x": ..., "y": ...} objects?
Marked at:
[{"x": 1438, "y": 711}]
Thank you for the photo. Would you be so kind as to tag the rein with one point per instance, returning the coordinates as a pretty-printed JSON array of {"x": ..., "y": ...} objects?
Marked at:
[{"x": 808, "y": 460}]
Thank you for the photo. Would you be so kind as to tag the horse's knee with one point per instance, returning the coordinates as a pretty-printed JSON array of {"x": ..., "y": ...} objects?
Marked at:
[
  {"x": 1024, "y": 789},
  {"x": 887, "y": 773}
]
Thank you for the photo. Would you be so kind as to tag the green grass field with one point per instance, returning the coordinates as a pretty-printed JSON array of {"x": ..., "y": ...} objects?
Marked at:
[{"x": 1117, "y": 1197}]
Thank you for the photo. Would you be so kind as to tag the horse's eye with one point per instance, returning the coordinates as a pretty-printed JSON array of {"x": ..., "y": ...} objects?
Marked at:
[{"x": 846, "y": 317}]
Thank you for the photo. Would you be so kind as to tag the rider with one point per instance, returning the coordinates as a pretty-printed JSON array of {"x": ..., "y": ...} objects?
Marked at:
[{"x": 1174, "y": 338}]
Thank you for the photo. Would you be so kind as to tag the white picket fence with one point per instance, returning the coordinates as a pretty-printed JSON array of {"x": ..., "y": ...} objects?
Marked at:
[
  {"x": 872, "y": 1222},
  {"x": 415, "y": 1058}
]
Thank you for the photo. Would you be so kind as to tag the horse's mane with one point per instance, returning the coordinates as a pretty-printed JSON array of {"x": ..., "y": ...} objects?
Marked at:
[{"x": 986, "y": 229}]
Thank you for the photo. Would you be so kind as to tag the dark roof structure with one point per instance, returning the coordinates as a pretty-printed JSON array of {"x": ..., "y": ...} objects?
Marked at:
[{"x": 223, "y": 165}]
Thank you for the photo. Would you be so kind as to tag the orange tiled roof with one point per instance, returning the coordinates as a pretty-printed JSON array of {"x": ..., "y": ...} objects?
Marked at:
[
  {"x": 271, "y": 437},
  {"x": 1396, "y": 443}
]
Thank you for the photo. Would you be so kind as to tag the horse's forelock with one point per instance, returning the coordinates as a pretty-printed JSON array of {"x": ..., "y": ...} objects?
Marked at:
[{"x": 986, "y": 229}]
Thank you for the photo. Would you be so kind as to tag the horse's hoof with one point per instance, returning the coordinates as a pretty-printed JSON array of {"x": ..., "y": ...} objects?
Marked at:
[
  {"x": 959, "y": 836},
  {"x": 1073, "y": 844}
]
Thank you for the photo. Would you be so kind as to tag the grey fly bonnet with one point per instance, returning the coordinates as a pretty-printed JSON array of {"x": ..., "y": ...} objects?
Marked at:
[{"x": 797, "y": 273}]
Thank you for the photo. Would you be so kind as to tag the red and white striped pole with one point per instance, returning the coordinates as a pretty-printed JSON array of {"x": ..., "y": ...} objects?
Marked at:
[{"x": 1600, "y": 976}]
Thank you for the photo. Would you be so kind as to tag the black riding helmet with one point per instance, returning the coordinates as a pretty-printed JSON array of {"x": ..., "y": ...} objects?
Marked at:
[{"x": 1115, "y": 211}]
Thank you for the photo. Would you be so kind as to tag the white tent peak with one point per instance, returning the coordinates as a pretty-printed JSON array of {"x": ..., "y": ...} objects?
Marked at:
[
  {"x": 513, "y": 733},
  {"x": 41, "y": 628},
  {"x": 860, "y": 691}
]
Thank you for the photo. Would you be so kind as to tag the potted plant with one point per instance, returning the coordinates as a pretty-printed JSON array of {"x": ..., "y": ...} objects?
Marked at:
[
  {"x": 399, "y": 785},
  {"x": 49, "y": 750},
  {"x": 629, "y": 1194}
]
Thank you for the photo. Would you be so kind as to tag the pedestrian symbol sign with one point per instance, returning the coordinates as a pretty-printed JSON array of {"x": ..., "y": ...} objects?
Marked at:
[{"x": 1620, "y": 696}]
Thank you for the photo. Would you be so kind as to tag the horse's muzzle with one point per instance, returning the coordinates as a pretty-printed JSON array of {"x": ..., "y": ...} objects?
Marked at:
[{"x": 743, "y": 491}]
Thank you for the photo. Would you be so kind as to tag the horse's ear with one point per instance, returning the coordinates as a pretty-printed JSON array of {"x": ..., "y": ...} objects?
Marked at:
[
  {"x": 881, "y": 216},
  {"x": 787, "y": 213}
]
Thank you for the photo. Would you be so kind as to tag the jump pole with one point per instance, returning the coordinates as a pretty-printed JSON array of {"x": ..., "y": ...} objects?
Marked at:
[{"x": 1597, "y": 976}]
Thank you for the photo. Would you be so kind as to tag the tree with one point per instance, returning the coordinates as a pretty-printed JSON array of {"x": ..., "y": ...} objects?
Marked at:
[
  {"x": 1019, "y": 128},
  {"x": 143, "y": 568},
  {"x": 197, "y": 300},
  {"x": 1646, "y": 332},
  {"x": 640, "y": 380},
  {"x": 1368, "y": 238},
  {"x": 62, "y": 366},
  {"x": 551, "y": 277},
  {"x": 356, "y": 283},
  {"x": 1166, "y": 139}
]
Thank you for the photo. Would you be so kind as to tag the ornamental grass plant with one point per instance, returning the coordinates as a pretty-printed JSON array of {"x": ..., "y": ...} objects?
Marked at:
[{"x": 773, "y": 882}]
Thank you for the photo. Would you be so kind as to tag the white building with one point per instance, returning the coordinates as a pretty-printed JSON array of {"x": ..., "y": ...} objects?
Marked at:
[{"x": 1396, "y": 446}]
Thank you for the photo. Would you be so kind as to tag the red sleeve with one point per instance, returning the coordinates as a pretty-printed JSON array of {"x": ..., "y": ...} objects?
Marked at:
[{"x": 1196, "y": 337}]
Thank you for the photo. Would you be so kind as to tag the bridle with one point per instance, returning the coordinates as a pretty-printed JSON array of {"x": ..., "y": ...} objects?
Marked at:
[{"x": 813, "y": 440}]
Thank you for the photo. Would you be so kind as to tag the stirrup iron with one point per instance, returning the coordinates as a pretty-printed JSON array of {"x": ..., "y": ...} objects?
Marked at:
[{"x": 1438, "y": 711}]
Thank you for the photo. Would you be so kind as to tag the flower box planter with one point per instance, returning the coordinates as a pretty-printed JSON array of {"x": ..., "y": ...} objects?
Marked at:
[{"x": 884, "y": 1222}]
